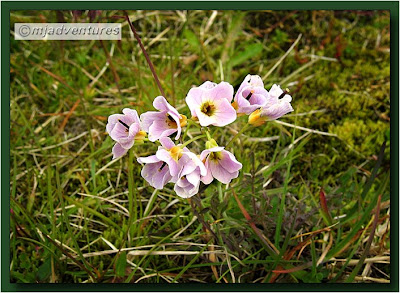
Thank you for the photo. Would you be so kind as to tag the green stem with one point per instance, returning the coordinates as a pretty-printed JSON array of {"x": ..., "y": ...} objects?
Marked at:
[
  {"x": 131, "y": 190},
  {"x": 192, "y": 140},
  {"x": 208, "y": 135},
  {"x": 189, "y": 123},
  {"x": 283, "y": 199},
  {"x": 153, "y": 71},
  {"x": 238, "y": 134},
  {"x": 221, "y": 198}
]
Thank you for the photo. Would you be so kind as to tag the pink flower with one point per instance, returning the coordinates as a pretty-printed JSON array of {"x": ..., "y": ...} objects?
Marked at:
[
  {"x": 251, "y": 95},
  {"x": 163, "y": 123},
  {"x": 124, "y": 129},
  {"x": 171, "y": 155},
  {"x": 173, "y": 164},
  {"x": 220, "y": 164},
  {"x": 278, "y": 104},
  {"x": 155, "y": 172},
  {"x": 211, "y": 103},
  {"x": 188, "y": 180}
]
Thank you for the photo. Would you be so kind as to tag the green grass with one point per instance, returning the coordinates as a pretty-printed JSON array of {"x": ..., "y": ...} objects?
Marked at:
[{"x": 77, "y": 216}]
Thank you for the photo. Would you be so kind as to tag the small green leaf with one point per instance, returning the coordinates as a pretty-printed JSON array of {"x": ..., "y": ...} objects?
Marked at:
[
  {"x": 44, "y": 270},
  {"x": 120, "y": 265},
  {"x": 251, "y": 51},
  {"x": 24, "y": 260},
  {"x": 191, "y": 39}
]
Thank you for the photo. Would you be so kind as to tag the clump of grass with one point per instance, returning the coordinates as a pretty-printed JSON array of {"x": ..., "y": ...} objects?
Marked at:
[{"x": 77, "y": 216}]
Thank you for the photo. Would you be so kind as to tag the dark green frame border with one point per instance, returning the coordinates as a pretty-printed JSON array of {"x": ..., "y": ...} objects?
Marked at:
[{"x": 6, "y": 6}]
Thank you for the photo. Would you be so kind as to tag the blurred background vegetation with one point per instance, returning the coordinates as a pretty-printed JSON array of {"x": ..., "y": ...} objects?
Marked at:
[{"x": 69, "y": 201}]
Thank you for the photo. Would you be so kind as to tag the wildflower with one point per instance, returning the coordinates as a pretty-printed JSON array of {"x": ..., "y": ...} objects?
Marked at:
[
  {"x": 251, "y": 95},
  {"x": 220, "y": 164},
  {"x": 161, "y": 167},
  {"x": 210, "y": 103},
  {"x": 155, "y": 172},
  {"x": 277, "y": 105},
  {"x": 124, "y": 129},
  {"x": 188, "y": 181},
  {"x": 171, "y": 154},
  {"x": 163, "y": 123}
]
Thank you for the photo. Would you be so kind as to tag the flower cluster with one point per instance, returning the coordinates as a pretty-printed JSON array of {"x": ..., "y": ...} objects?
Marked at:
[{"x": 209, "y": 104}]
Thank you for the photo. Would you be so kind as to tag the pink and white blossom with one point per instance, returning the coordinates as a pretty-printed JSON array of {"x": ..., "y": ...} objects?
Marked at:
[
  {"x": 163, "y": 123},
  {"x": 174, "y": 164},
  {"x": 220, "y": 164},
  {"x": 171, "y": 154},
  {"x": 124, "y": 129},
  {"x": 211, "y": 103},
  {"x": 188, "y": 181},
  {"x": 251, "y": 95},
  {"x": 155, "y": 172},
  {"x": 278, "y": 104},
  {"x": 158, "y": 168}
]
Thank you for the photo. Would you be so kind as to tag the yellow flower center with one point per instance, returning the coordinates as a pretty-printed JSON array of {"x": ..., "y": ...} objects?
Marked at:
[
  {"x": 215, "y": 156},
  {"x": 170, "y": 121},
  {"x": 140, "y": 135},
  {"x": 176, "y": 153},
  {"x": 208, "y": 108}
]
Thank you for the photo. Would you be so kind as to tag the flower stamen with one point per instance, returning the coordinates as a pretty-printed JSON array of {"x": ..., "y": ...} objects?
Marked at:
[
  {"x": 171, "y": 122},
  {"x": 176, "y": 153},
  {"x": 249, "y": 95},
  {"x": 170, "y": 118},
  {"x": 285, "y": 92},
  {"x": 215, "y": 156},
  {"x": 207, "y": 108},
  {"x": 162, "y": 166},
  {"x": 123, "y": 123}
]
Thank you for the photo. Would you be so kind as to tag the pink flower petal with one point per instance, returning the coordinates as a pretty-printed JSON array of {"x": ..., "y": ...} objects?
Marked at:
[
  {"x": 229, "y": 162},
  {"x": 252, "y": 84},
  {"x": 165, "y": 156},
  {"x": 148, "y": 160},
  {"x": 167, "y": 143},
  {"x": 194, "y": 99},
  {"x": 195, "y": 161},
  {"x": 118, "y": 151},
  {"x": 208, "y": 85},
  {"x": 131, "y": 114},
  {"x": 160, "y": 129},
  {"x": 118, "y": 132},
  {"x": 208, "y": 178},
  {"x": 224, "y": 114},
  {"x": 276, "y": 111},
  {"x": 219, "y": 172},
  {"x": 204, "y": 153},
  {"x": 149, "y": 117},
  {"x": 156, "y": 176},
  {"x": 185, "y": 189},
  {"x": 222, "y": 91}
]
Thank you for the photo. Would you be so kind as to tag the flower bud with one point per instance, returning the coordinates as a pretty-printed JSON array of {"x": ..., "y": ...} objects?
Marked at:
[
  {"x": 235, "y": 105},
  {"x": 256, "y": 119},
  {"x": 211, "y": 144},
  {"x": 183, "y": 120}
]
